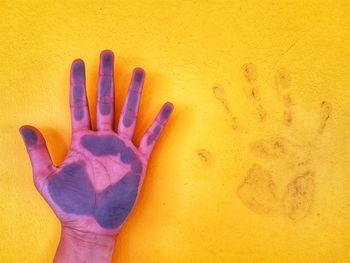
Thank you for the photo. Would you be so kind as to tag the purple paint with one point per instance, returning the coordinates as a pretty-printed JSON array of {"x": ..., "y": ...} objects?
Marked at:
[
  {"x": 78, "y": 71},
  {"x": 107, "y": 63},
  {"x": 128, "y": 119},
  {"x": 129, "y": 115},
  {"x": 101, "y": 145},
  {"x": 105, "y": 108},
  {"x": 72, "y": 190},
  {"x": 155, "y": 133},
  {"x": 29, "y": 136},
  {"x": 137, "y": 80},
  {"x": 78, "y": 113},
  {"x": 132, "y": 101},
  {"x": 106, "y": 86},
  {"x": 166, "y": 112},
  {"x": 78, "y": 97},
  {"x": 127, "y": 155},
  {"x": 115, "y": 202},
  {"x": 136, "y": 166},
  {"x": 138, "y": 76},
  {"x": 78, "y": 92}
]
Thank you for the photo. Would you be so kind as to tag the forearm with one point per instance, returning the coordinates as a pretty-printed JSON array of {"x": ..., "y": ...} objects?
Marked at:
[{"x": 76, "y": 246}]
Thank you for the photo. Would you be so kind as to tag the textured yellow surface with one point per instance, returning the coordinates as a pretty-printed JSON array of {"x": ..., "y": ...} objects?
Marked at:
[{"x": 254, "y": 164}]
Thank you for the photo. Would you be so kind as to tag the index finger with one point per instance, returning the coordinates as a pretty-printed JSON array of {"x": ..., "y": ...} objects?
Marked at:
[{"x": 80, "y": 116}]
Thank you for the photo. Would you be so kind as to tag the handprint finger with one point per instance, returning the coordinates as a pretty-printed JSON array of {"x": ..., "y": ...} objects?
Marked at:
[
  {"x": 127, "y": 122},
  {"x": 105, "y": 97},
  {"x": 151, "y": 136}
]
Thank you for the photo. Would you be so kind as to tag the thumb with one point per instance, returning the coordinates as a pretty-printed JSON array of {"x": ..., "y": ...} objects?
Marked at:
[{"x": 39, "y": 155}]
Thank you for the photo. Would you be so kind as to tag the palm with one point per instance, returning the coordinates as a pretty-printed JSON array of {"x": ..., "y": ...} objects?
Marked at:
[
  {"x": 95, "y": 188},
  {"x": 97, "y": 185}
]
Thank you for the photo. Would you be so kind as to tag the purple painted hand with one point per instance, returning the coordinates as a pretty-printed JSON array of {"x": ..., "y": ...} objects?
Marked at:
[{"x": 95, "y": 188}]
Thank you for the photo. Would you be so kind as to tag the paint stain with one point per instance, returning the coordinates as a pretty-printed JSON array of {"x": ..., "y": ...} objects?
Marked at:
[
  {"x": 284, "y": 189},
  {"x": 29, "y": 136},
  {"x": 288, "y": 117},
  {"x": 325, "y": 113},
  {"x": 166, "y": 111},
  {"x": 287, "y": 100},
  {"x": 72, "y": 190},
  {"x": 132, "y": 101},
  {"x": 285, "y": 183},
  {"x": 102, "y": 145},
  {"x": 272, "y": 147},
  {"x": 107, "y": 63},
  {"x": 283, "y": 83},
  {"x": 220, "y": 95},
  {"x": 282, "y": 79},
  {"x": 262, "y": 114},
  {"x": 79, "y": 101},
  {"x": 258, "y": 191},
  {"x": 299, "y": 195},
  {"x": 154, "y": 134},
  {"x": 128, "y": 118},
  {"x": 78, "y": 72},
  {"x": 204, "y": 155},
  {"x": 250, "y": 72},
  {"x": 282, "y": 150}
]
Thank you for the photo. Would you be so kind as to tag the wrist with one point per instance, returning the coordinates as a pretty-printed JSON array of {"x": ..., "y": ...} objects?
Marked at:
[{"x": 78, "y": 246}]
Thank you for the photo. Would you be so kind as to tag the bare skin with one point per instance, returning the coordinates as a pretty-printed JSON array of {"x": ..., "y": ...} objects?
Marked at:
[{"x": 95, "y": 188}]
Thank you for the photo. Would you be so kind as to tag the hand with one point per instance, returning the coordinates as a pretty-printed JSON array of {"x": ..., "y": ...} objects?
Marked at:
[{"x": 95, "y": 188}]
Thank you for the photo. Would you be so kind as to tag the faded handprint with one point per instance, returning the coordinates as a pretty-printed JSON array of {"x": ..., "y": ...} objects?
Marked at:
[
  {"x": 282, "y": 178},
  {"x": 95, "y": 188}
]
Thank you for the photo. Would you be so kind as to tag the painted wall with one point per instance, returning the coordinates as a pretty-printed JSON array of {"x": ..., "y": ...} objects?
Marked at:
[{"x": 254, "y": 164}]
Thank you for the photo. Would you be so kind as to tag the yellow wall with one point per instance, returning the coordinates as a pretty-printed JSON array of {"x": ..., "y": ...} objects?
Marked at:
[{"x": 254, "y": 165}]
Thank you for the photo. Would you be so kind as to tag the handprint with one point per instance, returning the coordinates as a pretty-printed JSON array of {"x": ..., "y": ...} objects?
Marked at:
[{"x": 282, "y": 178}]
